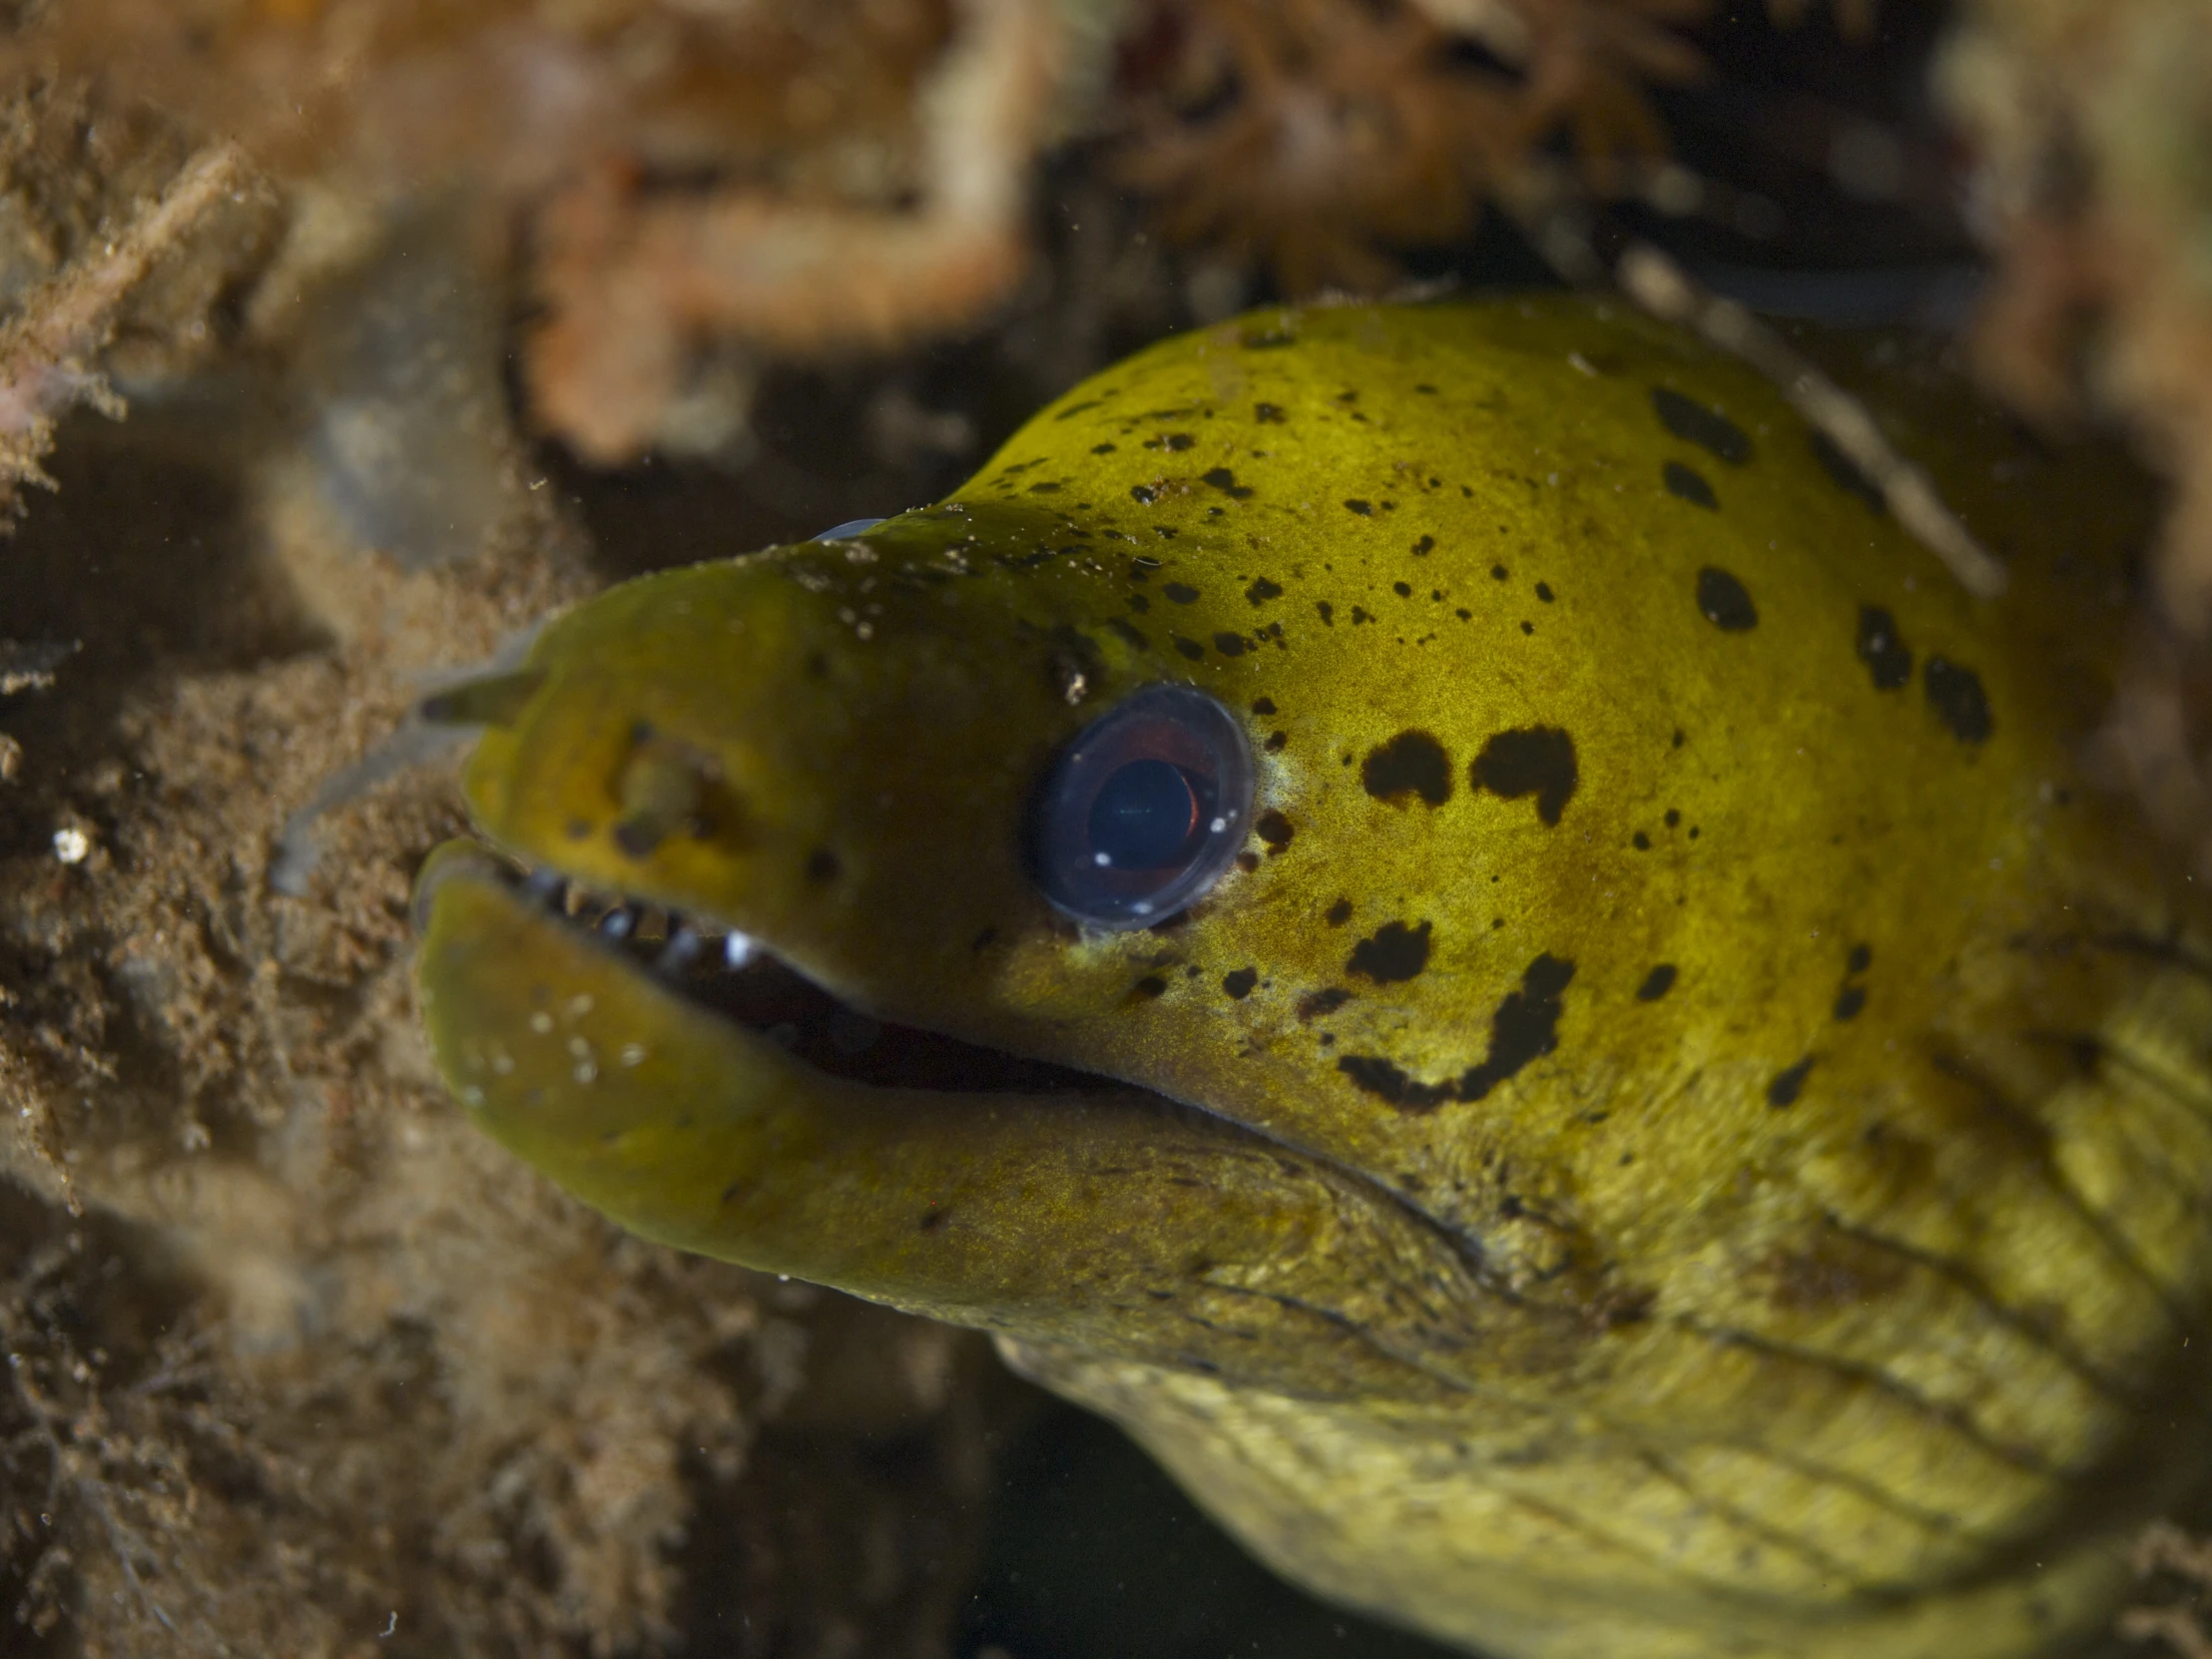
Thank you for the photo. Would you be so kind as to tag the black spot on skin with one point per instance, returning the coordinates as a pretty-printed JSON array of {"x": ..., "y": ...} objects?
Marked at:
[
  {"x": 1172, "y": 440},
  {"x": 1413, "y": 762},
  {"x": 1849, "y": 1001},
  {"x": 1321, "y": 1004},
  {"x": 1226, "y": 481},
  {"x": 1230, "y": 645},
  {"x": 1276, "y": 742},
  {"x": 1693, "y": 422},
  {"x": 1262, "y": 590},
  {"x": 1499, "y": 573},
  {"x": 1722, "y": 600},
  {"x": 1425, "y": 546},
  {"x": 1190, "y": 648},
  {"x": 1640, "y": 842},
  {"x": 1657, "y": 983},
  {"x": 1787, "y": 1085},
  {"x": 1181, "y": 593},
  {"x": 1143, "y": 494},
  {"x": 1267, "y": 415},
  {"x": 1150, "y": 987},
  {"x": 1248, "y": 861},
  {"x": 1262, "y": 705},
  {"x": 1859, "y": 959},
  {"x": 1405, "y": 590},
  {"x": 1103, "y": 448},
  {"x": 1673, "y": 817},
  {"x": 1690, "y": 485},
  {"x": 1240, "y": 984},
  {"x": 1843, "y": 473},
  {"x": 1327, "y": 612},
  {"x": 1883, "y": 648},
  {"x": 1679, "y": 738},
  {"x": 1338, "y": 912},
  {"x": 1524, "y": 1028},
  {"x": 1364, "y": 509},
  {"x": 1544, "y": 593},
  {"x": 1955, "y": 693},
  {"x": 1376, "y": 1076},
  {"x": 824, "y": 865},
  {"x": 1394, "y": 954},
  {"x": 1537, "y": 761},
  {"x": 931, "y": 1220},
  {"x": 1274, "y": 829},
  {"x": 1528, "y": 627}
]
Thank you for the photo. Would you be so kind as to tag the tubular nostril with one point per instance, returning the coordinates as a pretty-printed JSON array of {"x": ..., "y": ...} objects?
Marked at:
[{"x": 495, "y": 700}]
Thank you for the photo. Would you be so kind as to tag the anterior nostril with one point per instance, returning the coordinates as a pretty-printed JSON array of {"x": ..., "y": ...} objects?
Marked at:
[{"x": 494, "y": 700}]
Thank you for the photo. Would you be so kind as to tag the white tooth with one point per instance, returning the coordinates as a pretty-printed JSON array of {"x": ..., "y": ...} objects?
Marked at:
[
  {"x": 738, "y": 950},
  {"x": 681, "y": 946}
]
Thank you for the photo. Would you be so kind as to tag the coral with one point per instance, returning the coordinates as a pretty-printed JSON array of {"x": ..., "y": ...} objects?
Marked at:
[
  {"x": 693, "y": 188},
  {"x": 787, "y": 177},
  {"x": 632, "y": 275},
  {"x": 2091, "y": 121},
  {"x": 1304, "y": 134},
  {"x": 47, "y": 347}
]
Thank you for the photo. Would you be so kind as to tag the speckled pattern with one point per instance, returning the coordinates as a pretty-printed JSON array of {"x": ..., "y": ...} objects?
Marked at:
[{"x": 1706, "y": 1120}]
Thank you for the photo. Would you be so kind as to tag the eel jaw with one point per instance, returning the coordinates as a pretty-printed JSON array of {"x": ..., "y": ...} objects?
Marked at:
[
  {"x": 742, "y": 981},
  {"x": 1046, "y": 1205},
  {"x": 595, "y": 1038}
]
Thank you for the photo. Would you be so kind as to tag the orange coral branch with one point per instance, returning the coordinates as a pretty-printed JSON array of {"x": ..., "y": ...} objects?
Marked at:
[{"x": 633, "y": 278}]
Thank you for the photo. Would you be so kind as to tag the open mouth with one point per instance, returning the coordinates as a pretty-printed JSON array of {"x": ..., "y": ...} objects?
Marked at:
[{"x": 740, "y": 980}]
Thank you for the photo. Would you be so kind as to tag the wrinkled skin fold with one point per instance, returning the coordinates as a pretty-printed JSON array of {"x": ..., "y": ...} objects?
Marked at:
[{"x": 1688, "y": 1131}]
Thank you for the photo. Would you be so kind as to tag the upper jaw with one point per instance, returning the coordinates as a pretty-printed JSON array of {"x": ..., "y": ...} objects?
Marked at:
[{"x": 745, "y": 981}]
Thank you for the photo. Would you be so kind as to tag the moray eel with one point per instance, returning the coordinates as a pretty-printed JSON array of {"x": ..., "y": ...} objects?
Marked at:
[{"x": 1432, "y": 909}]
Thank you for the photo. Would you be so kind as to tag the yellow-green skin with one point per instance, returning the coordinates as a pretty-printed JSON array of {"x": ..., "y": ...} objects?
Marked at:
[{"x": 1831, "y": 1295}]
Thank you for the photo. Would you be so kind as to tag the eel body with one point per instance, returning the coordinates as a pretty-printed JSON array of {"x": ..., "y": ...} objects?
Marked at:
[{"x": 1677, "y": 1121}]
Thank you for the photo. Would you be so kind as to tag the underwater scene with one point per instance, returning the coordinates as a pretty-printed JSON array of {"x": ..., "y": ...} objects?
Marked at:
[{"x": 1086, "y": 828}]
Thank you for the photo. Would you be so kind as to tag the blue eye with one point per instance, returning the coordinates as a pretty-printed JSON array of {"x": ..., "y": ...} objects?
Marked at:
[{"x": 1141, "y": 813}]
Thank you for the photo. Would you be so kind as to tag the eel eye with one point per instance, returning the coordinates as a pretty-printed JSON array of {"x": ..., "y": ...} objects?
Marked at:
[{"x": 1141, "y": 813}]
